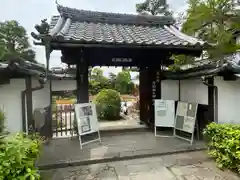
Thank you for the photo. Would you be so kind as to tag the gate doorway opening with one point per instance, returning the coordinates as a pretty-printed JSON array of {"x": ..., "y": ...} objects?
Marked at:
[{"x": 63, "y": 116}]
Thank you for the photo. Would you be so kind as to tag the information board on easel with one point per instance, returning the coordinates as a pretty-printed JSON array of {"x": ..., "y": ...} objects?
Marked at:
[
  {"x": 185, "y": 119},
  {"x": 164, "y": 111},
  {"x": 87, "y": 122}
]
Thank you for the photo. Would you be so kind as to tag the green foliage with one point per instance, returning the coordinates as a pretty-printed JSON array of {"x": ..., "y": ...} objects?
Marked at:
[
  {"x": 108, "y": 104},
  {"x": 153, "y": 7},
  {"x": 14, "y": 42},
  {"x": 121, "y": 82},
  {"x": 18, "y": 155},
  {"x": 124, "y": 84},
  {"x": 224, "y": 144},
  {"x": 213, "y": 21},
  {"x": 97, "y": 81},
  {"x": 180, "y": 60}
]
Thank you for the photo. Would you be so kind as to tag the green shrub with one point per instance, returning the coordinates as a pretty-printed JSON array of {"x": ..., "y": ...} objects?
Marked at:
[
  {"x": 224, "y": 144},
  {"x": 18, "y": 155},
  {"x": 108, "y": 104}
]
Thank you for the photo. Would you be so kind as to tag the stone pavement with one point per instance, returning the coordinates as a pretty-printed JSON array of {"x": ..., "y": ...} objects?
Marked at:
[
  {"x": 187, "y": 166},
  {"x": 121, "y": 146}
]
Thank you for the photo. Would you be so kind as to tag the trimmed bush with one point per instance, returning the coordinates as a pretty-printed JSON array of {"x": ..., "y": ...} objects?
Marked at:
[
  {"x": 108, "y": 104},
  {"x": 224, "y": 145},
  {"x": 18, "y": 155}
]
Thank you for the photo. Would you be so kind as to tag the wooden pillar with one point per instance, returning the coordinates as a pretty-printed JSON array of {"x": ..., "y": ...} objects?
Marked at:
[
  {"x": 82, "y": 80},
  {"x": 211, "y": 92},
  {"x": 49, "y": 122},
  {"x": 155, "y": 90},
  {"x": 142, "y": 92},
  {"x": 158, "y": 80},
  {"x": 29, "y": 104}
]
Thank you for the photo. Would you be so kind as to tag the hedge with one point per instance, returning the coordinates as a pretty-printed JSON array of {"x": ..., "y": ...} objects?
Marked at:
[
  {"x": 18, "y": 155},
  {"x": 224, "y": 145}
]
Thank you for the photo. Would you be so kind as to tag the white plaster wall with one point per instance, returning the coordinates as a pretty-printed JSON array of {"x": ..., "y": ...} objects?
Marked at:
[
  {"x": 193, "y": 90},
  {"x": 10, "y": 101},
  {"x": 41, "y": 98},
  {"x": 170, "y": 90},
  {"x": 228, "y": 100},
  {"x": 59, "y": 85}
]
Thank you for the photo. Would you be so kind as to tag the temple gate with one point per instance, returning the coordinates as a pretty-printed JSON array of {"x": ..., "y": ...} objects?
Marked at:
[{"x": 109, "y": 39}]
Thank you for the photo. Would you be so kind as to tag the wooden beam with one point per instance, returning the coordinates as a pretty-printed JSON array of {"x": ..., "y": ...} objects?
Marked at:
[{"x": 29, "y": 104}]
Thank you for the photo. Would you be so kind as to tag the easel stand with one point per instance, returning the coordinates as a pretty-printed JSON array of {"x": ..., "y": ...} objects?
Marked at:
[
  {"x": 87, "y": 122},
  {"x": 192, "y": 134},
  {"x": 157, "y": 135},
  {"x": 164, "y": 115},
  {"x": 91, "y": 141},
  {"x": 185, "y": 120}
]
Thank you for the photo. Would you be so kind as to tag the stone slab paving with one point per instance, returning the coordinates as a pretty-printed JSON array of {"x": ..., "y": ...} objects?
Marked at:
[
  {"x": 61, "y": 151},
  {"x": 187, "y": 166},
  {"x": 130, "y": 121}
]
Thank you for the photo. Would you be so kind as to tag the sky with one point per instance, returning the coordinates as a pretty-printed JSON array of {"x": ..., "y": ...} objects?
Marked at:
[{"x": 31, "y": 12}]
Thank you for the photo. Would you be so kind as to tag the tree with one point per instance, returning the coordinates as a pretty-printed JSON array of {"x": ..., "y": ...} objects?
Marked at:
[
  {"x": 97, "y": 75},
  {"x": 124, "y": 84},
  {"x": 97, "y": 81},
  {"x": 121, "y": 82},
  {"x": 112, "y": 80},
  {"x": 213, "y": 21},
  {"x": 153, "y": 7},
  {"x": 14, "y": 42}
]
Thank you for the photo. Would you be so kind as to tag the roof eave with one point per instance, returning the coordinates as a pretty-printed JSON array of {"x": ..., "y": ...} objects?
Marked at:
[{"x": 73, "y": 43}]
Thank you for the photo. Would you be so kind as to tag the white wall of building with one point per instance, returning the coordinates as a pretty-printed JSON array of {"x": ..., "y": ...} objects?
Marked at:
[
  {"x": 192, "y": 90},
  {"x": 170, "y": 90},
  {"x": 41, "y": 98},
  {"x": 228, "y": 100},
  {"x": 10, "y": 102}
]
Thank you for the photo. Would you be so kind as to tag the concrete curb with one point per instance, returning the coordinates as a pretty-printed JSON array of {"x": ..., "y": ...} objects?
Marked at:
[{"x": 116, "y": 158}]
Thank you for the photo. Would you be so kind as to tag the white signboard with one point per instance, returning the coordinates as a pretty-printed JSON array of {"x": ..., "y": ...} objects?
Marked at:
[
  {"x": 164, "y": 113},
  {"x": 188, "y": 124},
  {"x": 182, "y": 108},
  {"x": 87, "y": 121},
  {"x": 186, "y": 119}
]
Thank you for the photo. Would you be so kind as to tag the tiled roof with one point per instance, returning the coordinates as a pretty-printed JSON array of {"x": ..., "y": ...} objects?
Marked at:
[{"x": 110, "y": 28}]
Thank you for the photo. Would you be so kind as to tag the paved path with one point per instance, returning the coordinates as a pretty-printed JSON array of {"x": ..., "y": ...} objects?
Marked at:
[
  {"x": 114, "y": 146},
  {"x": 188, "y": 166}
]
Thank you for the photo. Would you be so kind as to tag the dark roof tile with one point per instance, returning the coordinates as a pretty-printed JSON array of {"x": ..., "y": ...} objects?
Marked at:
[{"x": 110, "y": 28}]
